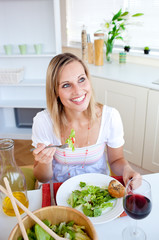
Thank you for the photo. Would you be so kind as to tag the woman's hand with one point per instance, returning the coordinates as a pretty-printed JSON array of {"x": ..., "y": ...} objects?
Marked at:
[
  {"x": 42, "y": 154},
  {"x": 129, "y": 173},
  {"x": 43, "y": 162}
]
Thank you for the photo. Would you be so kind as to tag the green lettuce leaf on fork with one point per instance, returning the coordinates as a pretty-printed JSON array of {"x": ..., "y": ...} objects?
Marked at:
[{"x": 71, "y": 140}]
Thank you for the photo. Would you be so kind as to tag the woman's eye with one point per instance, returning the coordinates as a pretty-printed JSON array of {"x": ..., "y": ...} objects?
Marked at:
[
  {"x": 82, "y": 79},
  {"x": 66, "y": 85}
]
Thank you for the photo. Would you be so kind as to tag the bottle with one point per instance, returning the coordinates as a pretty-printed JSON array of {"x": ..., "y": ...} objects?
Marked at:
[
  {"x": 12, "y": 172},
  {"x": 90, "y": 54},
  {"x": 98, "y": 48},
  {"x": 84, "y": 43}
]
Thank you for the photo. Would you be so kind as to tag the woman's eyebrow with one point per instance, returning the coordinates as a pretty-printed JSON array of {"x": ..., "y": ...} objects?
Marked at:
[
  {"x": 83, "y": 74},
  {"x": 64, "y": 82}
]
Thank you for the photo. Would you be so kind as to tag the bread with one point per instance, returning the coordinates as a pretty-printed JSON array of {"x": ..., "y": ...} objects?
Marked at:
[{"x": 116, "y": 189}]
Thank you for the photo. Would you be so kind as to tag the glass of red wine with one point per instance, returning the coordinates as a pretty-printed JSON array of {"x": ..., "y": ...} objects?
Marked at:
[{"x": 137, "y": 203}]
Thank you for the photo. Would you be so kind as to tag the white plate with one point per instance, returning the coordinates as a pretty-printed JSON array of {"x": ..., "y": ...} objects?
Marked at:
[{"x": 95, "y": 179}]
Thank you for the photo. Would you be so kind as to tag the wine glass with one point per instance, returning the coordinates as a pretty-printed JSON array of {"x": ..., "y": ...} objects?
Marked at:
[{"x": 137, "y": 204}]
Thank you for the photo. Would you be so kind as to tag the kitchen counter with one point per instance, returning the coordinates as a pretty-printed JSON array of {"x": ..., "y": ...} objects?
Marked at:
[{"x": 131, "y": 73}]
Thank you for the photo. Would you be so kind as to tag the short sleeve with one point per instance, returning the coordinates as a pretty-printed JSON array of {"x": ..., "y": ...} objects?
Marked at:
[
  {"x": 115, "y": 137},
  {"x": 42, "y": 131}
]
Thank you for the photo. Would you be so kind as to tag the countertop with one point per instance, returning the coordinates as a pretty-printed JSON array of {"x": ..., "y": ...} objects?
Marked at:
[{"x": 131, "y": 73}]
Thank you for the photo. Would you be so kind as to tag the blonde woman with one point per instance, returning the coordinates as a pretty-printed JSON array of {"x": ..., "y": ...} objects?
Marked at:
[{"x": 71, "y": 105}]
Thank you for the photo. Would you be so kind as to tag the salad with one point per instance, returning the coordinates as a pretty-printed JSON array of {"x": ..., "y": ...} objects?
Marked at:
[
  {"x": 71, "y": 140},
  {"x": 68, "y": 230},
  {"x": 92, "y": 200}
]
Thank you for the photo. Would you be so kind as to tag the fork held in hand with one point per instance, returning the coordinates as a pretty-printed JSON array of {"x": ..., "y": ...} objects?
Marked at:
[{"x": 58, "y": 146}]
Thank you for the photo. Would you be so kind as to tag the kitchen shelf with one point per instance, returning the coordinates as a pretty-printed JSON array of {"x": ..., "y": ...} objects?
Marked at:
[
  {"x": 26, "y": 22},
  {"x": 15, "y": 133},
  {"x": 26, "y": 83},
  {"x": 44, "y": 55},
  {"x": 37, "y": 103}
]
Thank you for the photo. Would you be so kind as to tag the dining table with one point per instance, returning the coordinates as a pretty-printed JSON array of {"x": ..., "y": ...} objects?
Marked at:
[{"x": 111, "y": 230}]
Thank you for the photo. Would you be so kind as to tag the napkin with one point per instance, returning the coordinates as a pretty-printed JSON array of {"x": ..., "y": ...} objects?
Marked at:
[{"x": 46, "y": 196}]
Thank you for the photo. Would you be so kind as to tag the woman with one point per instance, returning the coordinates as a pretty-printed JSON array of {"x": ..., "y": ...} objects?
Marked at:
[{"x": 71, "y": 105}]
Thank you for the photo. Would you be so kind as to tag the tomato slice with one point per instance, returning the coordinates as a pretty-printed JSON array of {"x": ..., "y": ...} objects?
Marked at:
[{"x": 73, "y": 140}]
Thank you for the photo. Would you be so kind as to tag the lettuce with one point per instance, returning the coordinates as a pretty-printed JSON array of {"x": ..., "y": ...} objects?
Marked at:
[
  {"x": 92, "y": 199},
  {"x": 68, "y": 230}
]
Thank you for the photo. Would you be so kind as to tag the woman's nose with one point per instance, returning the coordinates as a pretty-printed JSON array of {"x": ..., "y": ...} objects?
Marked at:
[{"x": 76, "y": 88}]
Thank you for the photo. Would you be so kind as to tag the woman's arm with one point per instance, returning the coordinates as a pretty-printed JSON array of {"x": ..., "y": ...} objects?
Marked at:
[
  {"x": 43, "y": 162},
  {"x": 119, "y": 165}
]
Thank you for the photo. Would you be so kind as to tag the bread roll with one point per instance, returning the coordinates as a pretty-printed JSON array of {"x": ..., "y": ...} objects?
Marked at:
[{"x": 116, "y": 189}]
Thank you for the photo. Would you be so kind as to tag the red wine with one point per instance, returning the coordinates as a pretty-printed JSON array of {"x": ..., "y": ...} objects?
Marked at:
[{"x": 137, "y": 206}]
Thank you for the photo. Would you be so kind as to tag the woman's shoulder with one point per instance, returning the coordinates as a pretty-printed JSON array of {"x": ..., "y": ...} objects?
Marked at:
[
  {"x": 42, "y": 115},
  {"x": 105, "y": 112},
  {"x": 109, "y": 115},
  {"x": 109, "y": 111},
  {"x": 42, "y": 118}
]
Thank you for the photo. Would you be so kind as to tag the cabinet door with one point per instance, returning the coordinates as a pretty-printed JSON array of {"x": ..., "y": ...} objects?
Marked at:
[
  {"x": 151, "y": 146},
  {"x": 131, "y": 103}
]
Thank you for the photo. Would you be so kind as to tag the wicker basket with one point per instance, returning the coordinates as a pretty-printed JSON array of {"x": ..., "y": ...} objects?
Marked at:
[{"x": 11, "y": 76}]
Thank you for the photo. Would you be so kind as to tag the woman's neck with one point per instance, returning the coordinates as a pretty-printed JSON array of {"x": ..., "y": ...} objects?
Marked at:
[{"x": 76, "y": 117}]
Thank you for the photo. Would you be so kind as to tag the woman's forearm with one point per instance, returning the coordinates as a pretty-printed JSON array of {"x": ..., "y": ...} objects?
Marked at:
[
  {"x": 123, "y": 168},
  {"x": 118, "y": 166},
  {"x": 43, "y": 172}
]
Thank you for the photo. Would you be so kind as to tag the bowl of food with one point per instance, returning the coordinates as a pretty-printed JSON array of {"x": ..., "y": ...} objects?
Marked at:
[{"x": 58, "y": 218}]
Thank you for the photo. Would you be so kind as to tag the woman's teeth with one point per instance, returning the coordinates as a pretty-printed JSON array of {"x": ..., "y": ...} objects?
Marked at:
[{"x": 78, "y": 99}]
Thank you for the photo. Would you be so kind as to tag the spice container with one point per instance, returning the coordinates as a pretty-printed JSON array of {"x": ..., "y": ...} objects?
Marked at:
[
  {"x": 122, "y": 57},
  {"x": 84, "y": 44},
  {"x": 98, "y": 48}
]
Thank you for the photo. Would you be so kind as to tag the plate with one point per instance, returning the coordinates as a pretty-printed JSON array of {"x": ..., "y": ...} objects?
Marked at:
[{"x": 95, "y": 179}]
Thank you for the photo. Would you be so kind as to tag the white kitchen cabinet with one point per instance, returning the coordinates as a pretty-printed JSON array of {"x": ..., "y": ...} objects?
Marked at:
[
  {"x": 131, "y": 102},
  {"x": 151, "y": 144},
  {"x": 26, "y": 22}
]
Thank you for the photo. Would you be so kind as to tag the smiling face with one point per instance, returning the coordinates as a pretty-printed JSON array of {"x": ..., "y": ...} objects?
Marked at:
[{"x": 74, "y": 88}]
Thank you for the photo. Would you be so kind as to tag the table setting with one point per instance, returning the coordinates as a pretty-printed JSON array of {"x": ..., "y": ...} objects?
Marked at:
[{"x": 111, "y": 225}]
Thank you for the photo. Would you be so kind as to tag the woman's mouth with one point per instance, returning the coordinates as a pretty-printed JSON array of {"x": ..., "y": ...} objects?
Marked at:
[{"x": 79, "y": 99}]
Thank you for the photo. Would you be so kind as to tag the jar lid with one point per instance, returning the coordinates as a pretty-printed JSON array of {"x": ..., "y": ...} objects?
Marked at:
[{"x": 98, "y": 34}]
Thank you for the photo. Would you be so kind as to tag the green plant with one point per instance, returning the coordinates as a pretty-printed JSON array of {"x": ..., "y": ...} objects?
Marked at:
[
  {"x": 146, "y": 50},
  {"x": 116, "y": 27},
  {"x": 127, "y": 48}
]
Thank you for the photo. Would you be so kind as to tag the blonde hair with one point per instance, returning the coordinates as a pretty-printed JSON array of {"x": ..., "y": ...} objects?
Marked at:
[{"x": 54, "y": 105}]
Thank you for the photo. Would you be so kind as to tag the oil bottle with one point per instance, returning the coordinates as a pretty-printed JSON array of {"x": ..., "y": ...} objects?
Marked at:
[{"x": 12, "y": 172}]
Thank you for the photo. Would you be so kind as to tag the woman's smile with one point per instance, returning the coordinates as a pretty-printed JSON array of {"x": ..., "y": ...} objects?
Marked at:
[{"x": 79, "y": 100}]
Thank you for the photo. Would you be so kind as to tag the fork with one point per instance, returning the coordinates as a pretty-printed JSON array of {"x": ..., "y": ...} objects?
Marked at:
[
  {"x": 58, "y": 146},
  {"x": 52, "y": 193}
]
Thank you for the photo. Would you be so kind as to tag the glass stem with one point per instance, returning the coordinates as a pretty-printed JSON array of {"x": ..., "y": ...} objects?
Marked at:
[{"x": 135, "y": 227}]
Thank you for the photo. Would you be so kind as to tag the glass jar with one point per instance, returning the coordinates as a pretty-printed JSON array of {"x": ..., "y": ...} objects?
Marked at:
[
  {"x": 12, "y": 172},
  {"x": 98, "y": 48}
]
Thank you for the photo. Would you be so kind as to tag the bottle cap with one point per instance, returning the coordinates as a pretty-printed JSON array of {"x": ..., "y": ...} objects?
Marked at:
[{"x": 98, "y": 34}]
